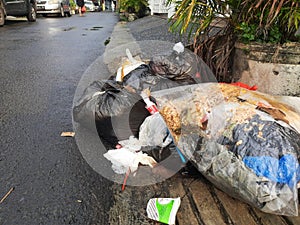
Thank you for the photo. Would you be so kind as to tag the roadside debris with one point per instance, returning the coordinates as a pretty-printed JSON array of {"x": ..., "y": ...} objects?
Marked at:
[
  {"x": 245, "y": 142},
  {"x": 67, "y": 134},
  {"x": 163, "y": 209},
  {"x": 106, "y": 42},
  {"x": 125, "y": 179},
  {"x": 123, "y": 159},
  {"x": 6, "y": 195}
]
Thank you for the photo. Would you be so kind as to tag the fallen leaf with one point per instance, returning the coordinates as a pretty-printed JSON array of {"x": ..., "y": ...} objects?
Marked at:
[{"x": 67, "y": 134}]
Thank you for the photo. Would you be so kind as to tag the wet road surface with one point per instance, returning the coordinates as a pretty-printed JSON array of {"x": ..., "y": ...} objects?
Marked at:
[{"x": 40, "y": 66}]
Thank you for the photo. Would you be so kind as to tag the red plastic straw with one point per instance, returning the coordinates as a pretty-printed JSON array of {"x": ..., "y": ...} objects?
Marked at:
[{"x": 125, "y": 179}]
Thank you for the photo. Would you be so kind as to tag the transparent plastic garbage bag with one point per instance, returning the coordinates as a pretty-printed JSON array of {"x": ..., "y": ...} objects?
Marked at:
[{"x": 245, "y": 142}]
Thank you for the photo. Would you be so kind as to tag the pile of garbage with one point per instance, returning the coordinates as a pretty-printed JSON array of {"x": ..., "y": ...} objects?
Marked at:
[{"x": 245, "y": 142}]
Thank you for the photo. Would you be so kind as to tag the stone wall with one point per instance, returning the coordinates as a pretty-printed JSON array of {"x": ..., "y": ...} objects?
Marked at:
[{"x": 274, "y": 69}]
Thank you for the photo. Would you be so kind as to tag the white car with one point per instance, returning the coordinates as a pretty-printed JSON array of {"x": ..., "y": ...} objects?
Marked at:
[
  {"x": 90, "y": 6},
  {"x": 60, "y": 7}
]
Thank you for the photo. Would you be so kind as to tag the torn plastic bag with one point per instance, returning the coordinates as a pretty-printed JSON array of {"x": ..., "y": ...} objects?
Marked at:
[
  {"x": 117, "y": 112},
  {"x": 245, "y": 142}
]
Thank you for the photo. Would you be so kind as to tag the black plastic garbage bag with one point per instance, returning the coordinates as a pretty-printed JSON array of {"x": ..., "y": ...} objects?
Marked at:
[
  {"x": 140, "y": 78},
  {"x": 84, "y": 108},
  {"x": 117, "y": 112},
  {"x": 181, "y": 66},
  {"x": 144, "y": 78},
  {"x": 169, "y": 69}
]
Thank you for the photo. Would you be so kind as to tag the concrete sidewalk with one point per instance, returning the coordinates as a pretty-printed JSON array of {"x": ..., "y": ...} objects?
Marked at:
[
  {"x": 201, "y": 202},
  {"x": 144, "y": 36}
]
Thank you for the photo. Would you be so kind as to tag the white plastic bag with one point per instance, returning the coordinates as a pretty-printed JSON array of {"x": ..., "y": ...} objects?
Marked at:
[
  {"x": 123, "y": 159},
  {"x": 154, "y": 132}
]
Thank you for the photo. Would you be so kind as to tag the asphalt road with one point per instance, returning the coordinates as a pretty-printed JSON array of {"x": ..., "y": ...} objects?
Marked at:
[{"x": 40, "y": 66}]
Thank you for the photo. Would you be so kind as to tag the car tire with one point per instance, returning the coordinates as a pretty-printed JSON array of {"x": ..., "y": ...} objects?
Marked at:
[
  {"x": 31, "y": 16},
  {"x": 2, "y": 16},
  {"x": 69, "y": 13},
  {"x": 62, "y": 12}
]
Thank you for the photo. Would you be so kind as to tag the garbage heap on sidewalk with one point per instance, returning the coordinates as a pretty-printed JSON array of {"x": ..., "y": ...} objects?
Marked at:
[{"x": 245, "y": 142}]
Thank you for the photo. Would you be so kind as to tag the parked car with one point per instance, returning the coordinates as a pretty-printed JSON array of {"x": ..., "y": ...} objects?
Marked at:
[
  {"x": 17, "y": 8},
  {"x": 90, "y": 6},
  {"x": 59, "y": 7}
]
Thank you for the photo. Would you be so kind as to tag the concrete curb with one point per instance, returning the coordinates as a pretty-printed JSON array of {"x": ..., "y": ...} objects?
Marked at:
[{"x": 121, "y": 39}]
